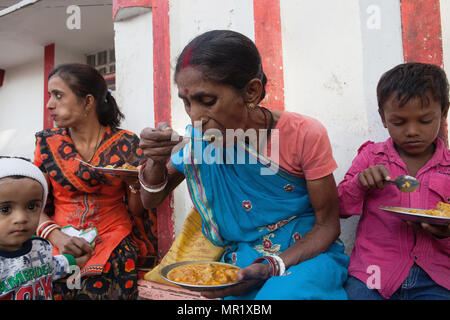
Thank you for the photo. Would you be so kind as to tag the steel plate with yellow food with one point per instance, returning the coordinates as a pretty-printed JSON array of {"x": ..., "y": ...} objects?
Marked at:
[
  {"x": 123, "y": 170},
  {"x": 201, "y": 275},
  {"x": 439, "y": 215}
]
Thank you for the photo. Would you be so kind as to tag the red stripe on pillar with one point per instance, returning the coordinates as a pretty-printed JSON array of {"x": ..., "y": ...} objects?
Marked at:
[
  {"x": 268, "y": 40},
  {"x": 422, "y": 37},
  {"x": 161, "y": 60},
  {"x": 421, "y": 31},
  {"x": 162, "y": 99},
  {"x": 49, "y": 64},
  {"x": 2, "y": 76}
]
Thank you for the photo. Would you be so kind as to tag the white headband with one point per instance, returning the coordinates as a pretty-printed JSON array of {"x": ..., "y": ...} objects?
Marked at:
[{"x": 18, "y": 167}]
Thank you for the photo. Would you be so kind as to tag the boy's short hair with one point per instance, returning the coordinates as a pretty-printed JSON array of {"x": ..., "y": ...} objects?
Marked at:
[{"x": 414, "y": 80}]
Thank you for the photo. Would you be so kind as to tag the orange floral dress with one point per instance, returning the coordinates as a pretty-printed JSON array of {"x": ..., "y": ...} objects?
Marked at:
[{"x": 84, "y": 198}]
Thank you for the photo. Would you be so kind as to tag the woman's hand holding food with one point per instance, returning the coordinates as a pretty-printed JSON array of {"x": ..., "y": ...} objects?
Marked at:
[
  {"x": 158, "y": 174},
  {"x": 251, "y": 277},
  {"x": 157, "y": 143}
]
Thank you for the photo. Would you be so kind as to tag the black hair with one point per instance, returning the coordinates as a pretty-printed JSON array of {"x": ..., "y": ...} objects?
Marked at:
[
  {"x": 83, "y": 79},
  {"x": 414, "y": 80},
  {"x": 224, "y": 56}
]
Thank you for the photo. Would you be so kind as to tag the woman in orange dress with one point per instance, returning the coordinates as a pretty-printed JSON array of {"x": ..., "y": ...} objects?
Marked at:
[{"x": 87, "y": 120}]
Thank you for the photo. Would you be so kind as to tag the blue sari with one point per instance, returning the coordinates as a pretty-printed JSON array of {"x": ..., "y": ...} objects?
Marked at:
[{"x": 252, "y": 213}]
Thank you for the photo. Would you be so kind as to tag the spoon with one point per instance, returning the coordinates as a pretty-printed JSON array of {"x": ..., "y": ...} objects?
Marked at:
[
  {"x": 405, "y": 183},
  {"x": 210, "y": 138},
  {"x": 90, "y": 165}
]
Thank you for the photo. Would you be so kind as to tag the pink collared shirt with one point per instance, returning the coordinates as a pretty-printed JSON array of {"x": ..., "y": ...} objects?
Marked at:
[{"x": 385, "y": 245}]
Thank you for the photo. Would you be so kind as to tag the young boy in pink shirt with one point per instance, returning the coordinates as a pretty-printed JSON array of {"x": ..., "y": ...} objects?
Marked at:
[{"x": 394, "y": 259}]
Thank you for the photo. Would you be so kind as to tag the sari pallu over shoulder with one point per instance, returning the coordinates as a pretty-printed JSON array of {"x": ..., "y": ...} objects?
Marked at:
[
  {"x": 236, "y": 202},
  {"x": 253, "y": 214}
]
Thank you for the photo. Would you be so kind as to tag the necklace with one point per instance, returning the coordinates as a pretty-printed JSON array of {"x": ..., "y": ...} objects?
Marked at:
[
  {"x": 270, "y": 126},
  {"x": 96, "y": 144}
]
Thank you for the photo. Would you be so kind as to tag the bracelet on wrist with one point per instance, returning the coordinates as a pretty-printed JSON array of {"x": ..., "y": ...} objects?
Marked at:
[
  {"x": 152, "y": 188},
  {"x": 276, "y": 263},
  {"x": 45, "y": 228},
  {"x": 281, "y": 265}
]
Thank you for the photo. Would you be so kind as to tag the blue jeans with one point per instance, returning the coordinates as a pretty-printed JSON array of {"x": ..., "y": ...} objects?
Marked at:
[{"x": 417, "y": 286}]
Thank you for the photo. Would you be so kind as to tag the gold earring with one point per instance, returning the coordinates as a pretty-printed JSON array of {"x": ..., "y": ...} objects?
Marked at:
[{"x": 251, "y": 105}]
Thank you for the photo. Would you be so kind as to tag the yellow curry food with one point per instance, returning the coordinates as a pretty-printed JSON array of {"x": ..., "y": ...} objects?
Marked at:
[
  {"x": 125, "y": 166},
  {"x": 442, "y": 210},
  {"x": 406, "y": 185},
  {"x": 204, "y": 274}
]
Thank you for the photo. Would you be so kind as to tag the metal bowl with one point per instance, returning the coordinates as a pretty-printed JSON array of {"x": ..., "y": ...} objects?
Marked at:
[{"x": 193, "y": 287}]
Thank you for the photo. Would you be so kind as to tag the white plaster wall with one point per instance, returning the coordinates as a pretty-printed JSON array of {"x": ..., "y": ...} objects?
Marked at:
[
  {"x": 332, "y": 63},
  {"x": 64, "y": 55},
  {"x": 22, "y": 103},
  {"x": 323, "y": 68},
  {"x": 21, "y": 109},
  {"x": 187, "y": 20},
  {"x": 323, "y": 59},
  {"x": 134, "y": 71}
]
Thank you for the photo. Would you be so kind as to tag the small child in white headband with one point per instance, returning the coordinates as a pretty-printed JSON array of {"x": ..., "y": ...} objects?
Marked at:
[{"x": 27, "y": 267}]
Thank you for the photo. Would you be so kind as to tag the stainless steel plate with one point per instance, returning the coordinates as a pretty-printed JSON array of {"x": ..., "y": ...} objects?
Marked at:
[
  {"x": 165, "y": 271},
  {"x": 112, "y": 171},
  {"x": 415, "y": 215}
]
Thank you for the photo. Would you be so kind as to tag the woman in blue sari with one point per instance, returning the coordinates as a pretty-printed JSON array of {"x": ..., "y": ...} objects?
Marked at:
[{"x": 263, "y": 183}]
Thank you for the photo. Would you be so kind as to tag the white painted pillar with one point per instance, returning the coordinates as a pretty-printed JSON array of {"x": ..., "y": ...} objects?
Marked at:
[{"x": 134, "y": 70}]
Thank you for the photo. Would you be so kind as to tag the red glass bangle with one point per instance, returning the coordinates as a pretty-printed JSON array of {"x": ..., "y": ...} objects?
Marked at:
[{"x": 273, "y": 264}]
